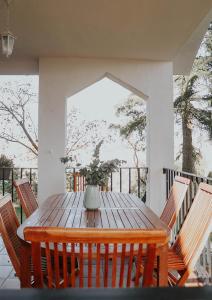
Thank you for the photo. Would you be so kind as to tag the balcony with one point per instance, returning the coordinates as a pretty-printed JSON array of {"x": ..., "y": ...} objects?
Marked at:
[{"x": 127, "y": 180}]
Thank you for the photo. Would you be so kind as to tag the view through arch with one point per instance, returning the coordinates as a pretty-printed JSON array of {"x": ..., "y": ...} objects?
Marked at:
[{"x": 106, "y": 111}]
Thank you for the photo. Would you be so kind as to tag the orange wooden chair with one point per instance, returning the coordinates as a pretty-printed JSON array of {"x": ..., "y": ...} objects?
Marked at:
[
  {"x": 184, "y": 253},
  {"x": 91, "y": 246},
  {"x": 78, "y": 182},
  {"x": 8, "y": 228},
  {"x": 192, "y": 237},
  {"x": 176, "y": 196},
  {"x": 26, "y": 196}
]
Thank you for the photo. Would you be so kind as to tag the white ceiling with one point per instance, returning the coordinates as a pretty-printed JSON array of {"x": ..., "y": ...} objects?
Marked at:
[{"x": 133, "y": 29}]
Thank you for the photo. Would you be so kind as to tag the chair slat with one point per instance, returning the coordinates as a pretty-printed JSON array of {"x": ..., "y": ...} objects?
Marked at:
[
  {"x": 81, "y": 265},
  {"x": 56, "y": 265},
  {"x": 138, "y": 263},
  {"x": 98, "y": 261},
  {"x": 114, "y": 266},
  {"x": 121, "y": 278},
  {"x": 89, "y": 265},
  {"x": 129, "y": 273},
  {"x": 106, "y": 257},
  {"x": 73, "y": 264},
  {"x": 65, "y": 271},
  {"x": 49, "y": 264}
]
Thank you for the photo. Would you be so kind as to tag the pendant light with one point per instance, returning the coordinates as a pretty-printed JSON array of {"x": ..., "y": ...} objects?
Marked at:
[{"x": 7, "y": 38}]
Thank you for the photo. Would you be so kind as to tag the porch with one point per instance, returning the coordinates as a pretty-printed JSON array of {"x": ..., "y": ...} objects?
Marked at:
[
  {"x": 137, "y": 44},
  {"x": 127, "y": 180}
]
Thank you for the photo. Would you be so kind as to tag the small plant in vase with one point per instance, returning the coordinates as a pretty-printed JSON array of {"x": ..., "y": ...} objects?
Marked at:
[{"x": 96, "y": 175}]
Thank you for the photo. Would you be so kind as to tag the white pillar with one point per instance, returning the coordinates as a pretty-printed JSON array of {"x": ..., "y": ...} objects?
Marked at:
[
  {"x": 52, "y": 130},
  {"x": 160, "y": 136}
]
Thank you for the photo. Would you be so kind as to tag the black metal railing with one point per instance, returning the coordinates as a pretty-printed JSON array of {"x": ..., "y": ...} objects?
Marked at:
[
  {"x": 205, "y": 261},
  {"x": 8, "y": 175},
  {"x": 129, "y": 180},
  {"x": 126, "y": 180}
]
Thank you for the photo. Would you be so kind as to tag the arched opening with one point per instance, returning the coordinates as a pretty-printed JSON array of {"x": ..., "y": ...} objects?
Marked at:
[{"x": 111, "y": 111}]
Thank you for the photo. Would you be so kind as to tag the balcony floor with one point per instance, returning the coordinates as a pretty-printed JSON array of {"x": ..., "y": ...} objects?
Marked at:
[{"x": 8, "y": 280}]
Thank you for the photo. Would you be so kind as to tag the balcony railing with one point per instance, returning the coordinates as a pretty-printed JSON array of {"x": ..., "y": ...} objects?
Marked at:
[
  {"x": 204, "y": 265},
  {"x": 128, "y": 180}
]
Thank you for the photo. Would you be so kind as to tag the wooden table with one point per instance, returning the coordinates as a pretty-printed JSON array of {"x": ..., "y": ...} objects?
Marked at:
[{"x": 117, "y": 210}]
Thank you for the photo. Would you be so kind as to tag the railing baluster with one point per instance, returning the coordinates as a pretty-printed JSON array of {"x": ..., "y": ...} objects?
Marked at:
[
  {"x": 120, "y": 179},
  {"x": 12, "y": 187},
  {"x": 129, "y": 180},
  {"x": 139, "y": 183},
  {"x": 3, "y": 187}
]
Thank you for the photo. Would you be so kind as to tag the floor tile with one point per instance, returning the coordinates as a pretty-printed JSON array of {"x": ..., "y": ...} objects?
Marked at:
[
  {"x": 1, "y": 282},
  {"x": 3, "y": 251},
  {"x": 12, "y": 274},
  {"x": 5, "y": 260},
  {"x": 11, "y": 284},
  {"x": 5, "y": 271}
]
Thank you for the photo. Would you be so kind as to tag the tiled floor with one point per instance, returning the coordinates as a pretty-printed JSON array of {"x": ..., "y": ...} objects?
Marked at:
[{"x": 8, "y": 280}]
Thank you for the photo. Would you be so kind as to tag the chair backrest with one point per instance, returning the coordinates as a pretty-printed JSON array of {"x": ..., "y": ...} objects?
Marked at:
[
  {"x": 78, "y": 182},
  {"x": 8, "y": 228},
  {"x": 176, "y": 196},
  {"x": 112, "y": 251},
  {"x": 196, "y": 227},
  {"x": 26, "y": 196}
]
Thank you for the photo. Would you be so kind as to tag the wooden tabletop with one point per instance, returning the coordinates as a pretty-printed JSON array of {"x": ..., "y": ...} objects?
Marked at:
[{"x": 117, "y": 210}]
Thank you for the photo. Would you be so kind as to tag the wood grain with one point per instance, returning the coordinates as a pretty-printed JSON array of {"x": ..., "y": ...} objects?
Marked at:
[{"x": 118, "y": 210}]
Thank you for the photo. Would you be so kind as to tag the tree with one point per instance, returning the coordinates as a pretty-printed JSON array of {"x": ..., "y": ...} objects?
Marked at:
[
  {"x": 82, "y": 134},
  {"x": 18, "y": 103},
  {"x": 17, "y": 124},
  {"x": 191, "y": 105},
  {"x": 133, "y": 129}
]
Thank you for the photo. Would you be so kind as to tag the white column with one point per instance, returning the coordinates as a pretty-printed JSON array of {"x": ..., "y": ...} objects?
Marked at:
[
  {"x": 160, "y": 136},
  {"x": 52, "y": 130}
]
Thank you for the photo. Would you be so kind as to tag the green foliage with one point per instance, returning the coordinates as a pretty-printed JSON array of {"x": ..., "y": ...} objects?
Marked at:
[
  {"x": 5, "y": 162},
  {"x": 133, "y": 109},
  {"x": 98, "y": 172},
  {"x": 133, "y": 129},
  {"x": 66, "y": 159},
  {"x": 194, "y": 100}
]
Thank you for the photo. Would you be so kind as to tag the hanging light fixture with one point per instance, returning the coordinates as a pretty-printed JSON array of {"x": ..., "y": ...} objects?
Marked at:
[{"x": 7, "y": 38}]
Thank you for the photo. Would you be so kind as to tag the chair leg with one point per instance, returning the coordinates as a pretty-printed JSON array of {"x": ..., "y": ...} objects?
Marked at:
[{"x": 184, "y": 276}]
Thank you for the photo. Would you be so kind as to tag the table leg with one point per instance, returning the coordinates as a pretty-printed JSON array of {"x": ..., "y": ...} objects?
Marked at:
[{"x": 163, "y": 266}]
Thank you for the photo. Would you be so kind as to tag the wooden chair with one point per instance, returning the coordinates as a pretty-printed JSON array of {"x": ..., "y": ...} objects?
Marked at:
[
  {"x": 26, "y": 196},
  {"x": 183, "y": 255},
  {"x": 78, "y": 182},
  {"x": 175, "y": 200},
  {"x": 8, "y": 228},
  {"x": 91, "y": 246},
  {"x": 192, "y": 237}
]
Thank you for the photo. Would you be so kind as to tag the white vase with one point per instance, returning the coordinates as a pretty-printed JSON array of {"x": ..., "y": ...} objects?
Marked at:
[{"x": 91, "y": 197}]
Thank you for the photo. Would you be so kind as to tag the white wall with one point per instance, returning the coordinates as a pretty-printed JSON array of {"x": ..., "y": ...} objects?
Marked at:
[{"x": 61, "y": 78}]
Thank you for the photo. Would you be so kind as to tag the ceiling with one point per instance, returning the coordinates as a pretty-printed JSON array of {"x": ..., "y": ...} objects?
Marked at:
[{"x": 132, "y": 29}]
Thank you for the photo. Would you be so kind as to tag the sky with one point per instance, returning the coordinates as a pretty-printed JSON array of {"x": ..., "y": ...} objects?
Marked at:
[{"x": 99, "y": 102}]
